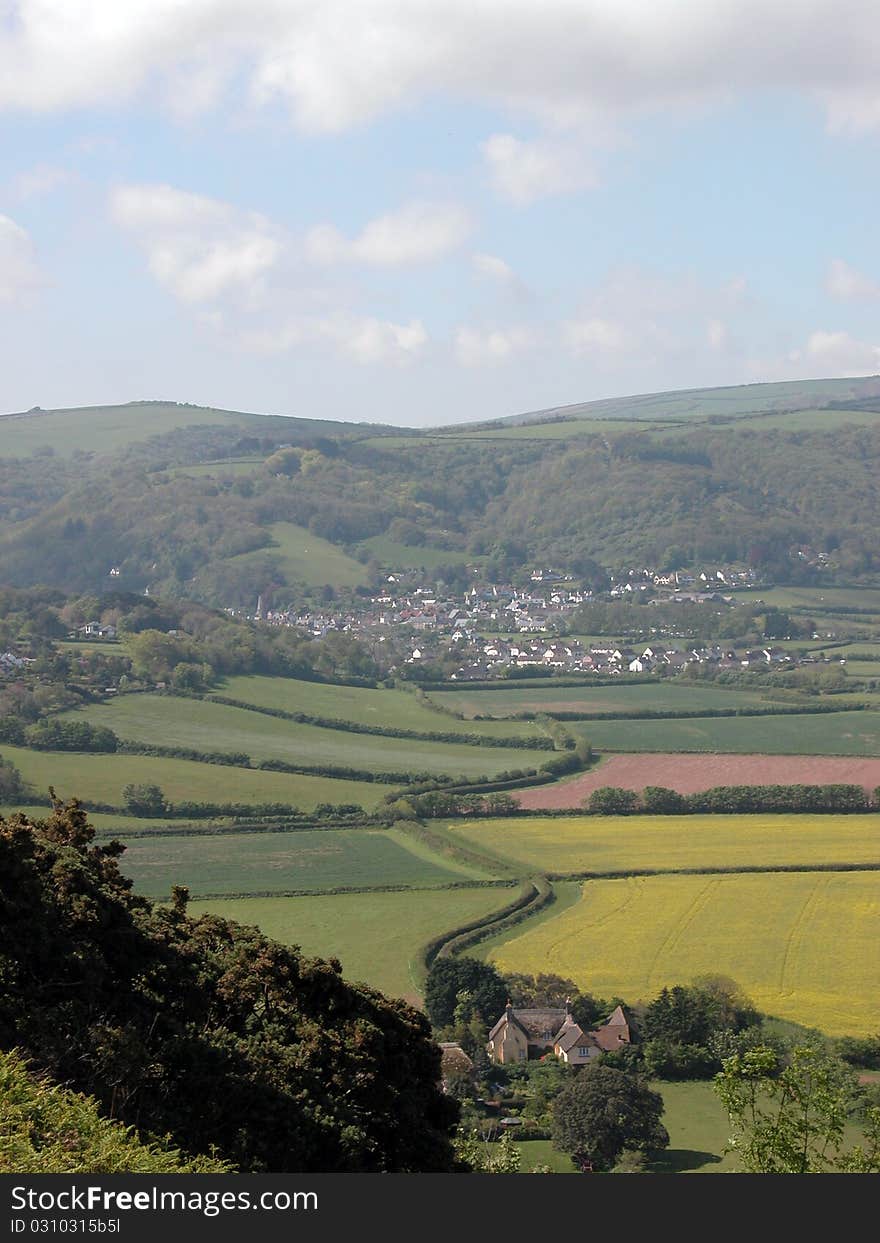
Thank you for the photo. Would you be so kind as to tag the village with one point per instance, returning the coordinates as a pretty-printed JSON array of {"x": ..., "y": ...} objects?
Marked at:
[{"x": 490, "y": 630}]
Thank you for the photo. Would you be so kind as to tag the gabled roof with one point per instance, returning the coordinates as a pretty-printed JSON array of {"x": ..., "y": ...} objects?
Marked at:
[{"x": 533, "y": 1023}]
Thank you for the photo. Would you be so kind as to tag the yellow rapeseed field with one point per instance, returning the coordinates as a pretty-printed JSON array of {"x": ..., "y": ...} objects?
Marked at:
[
  {"x": 802, "y": 946},
  {"x": 619, "y": 843}
]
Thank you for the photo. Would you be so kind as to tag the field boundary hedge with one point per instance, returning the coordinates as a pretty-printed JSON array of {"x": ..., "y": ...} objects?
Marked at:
[
  {"x": 720, "y": 870},
  {"x": 344, "y": 889},
  {"x": 533, "y": 894}
]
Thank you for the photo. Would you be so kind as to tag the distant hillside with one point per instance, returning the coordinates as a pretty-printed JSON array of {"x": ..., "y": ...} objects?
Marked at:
[
  {"x": 222, "y": 507},
  {"x": 106, "y": 429},
  {"x": 700, "y": 403}
]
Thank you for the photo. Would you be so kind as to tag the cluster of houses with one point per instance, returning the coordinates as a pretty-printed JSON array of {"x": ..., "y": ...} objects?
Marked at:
[
  {"x": 526, "y": 1033},
  {"x": 493, "y": 628},
  {"x": 569, "y": 655},
  {"x": 13, "y": 662}
]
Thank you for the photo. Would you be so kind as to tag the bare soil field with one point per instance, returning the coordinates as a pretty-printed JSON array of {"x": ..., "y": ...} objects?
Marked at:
[{"x": 689, "y": 774}]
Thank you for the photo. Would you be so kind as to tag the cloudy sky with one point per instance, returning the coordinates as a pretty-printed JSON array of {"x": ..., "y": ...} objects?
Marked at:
[{"x": 425, "y": 211}]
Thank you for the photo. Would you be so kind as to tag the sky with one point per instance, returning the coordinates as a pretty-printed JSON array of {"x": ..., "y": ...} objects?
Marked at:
[{"x": 433, "y": 211}]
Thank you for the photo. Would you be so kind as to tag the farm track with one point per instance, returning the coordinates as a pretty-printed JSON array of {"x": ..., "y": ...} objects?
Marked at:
[
  {"x": 672, "y": 938},
  {"x": 796, "y": 933}
]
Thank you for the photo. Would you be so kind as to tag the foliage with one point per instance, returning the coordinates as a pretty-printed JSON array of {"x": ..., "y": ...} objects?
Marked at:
[
  {"x": 604, "y": 1113},
  {"x": 681, "y": 1026},
  {"x": 201, "y": 1029},
  {"x": 448, "y": 977},
  {"x": 788, "y": 1116},
  {"x": 610, "y": 801},
  {"x": 47, "y": 1129},
  {"x": 864, "y": 1053},
  {"x": 144, "y": 800},
  {"x": 485, "y": 1157}
]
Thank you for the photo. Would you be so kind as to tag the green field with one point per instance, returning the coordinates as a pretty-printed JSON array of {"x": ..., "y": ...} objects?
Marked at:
[
  {"x": 221, "y": 468},
  {"x": 828, "y": 733},
  {"x": 103, "y": 429},
  {"x": 413, "y": 556},
  {"x": 363, "y": 705},
  {"x": 102, "y": 777},
  {"x": 307, "y": 558},
  {"x": 575, "y": 844},
  {"x": 802, "y": 946},
  {"x": 205, "y": 726},
  {"x": 267, "y": 863},
  {"x": 659, "y": 696},
  {"x": 822, "y": 599},
  {"x": 698, "y": 1133},
  {"x": 376, "y": 936}
]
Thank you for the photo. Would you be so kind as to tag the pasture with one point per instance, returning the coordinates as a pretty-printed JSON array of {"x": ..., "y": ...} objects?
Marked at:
[
  {"x": 362, "y": 705},
  {"x": 398, "y": 556},
  {"x": 101, "y": 778},
  {"x": 689, "y": 774},
  {"x": 267, "y": 863},
  {"x": 173, "y": 722},
  {"x": 104, "y": 429},
  {"x": 657, "y": 696},
  {"x": 801, "y": 946},
  {"x": 821, "y": 599},
  {"x": 576, "y": 844},
  {"x": 820, "y": 733},
  {"x": 376, "y": 936},
  {"x": 307, "y": 558}
]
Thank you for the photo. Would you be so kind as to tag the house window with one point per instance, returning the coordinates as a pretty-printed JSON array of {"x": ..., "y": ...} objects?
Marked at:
[{"x": 584, "y": 1052}]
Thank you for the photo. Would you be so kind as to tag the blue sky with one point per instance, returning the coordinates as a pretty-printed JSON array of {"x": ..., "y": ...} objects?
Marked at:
[{"x": 422, "y": 212}]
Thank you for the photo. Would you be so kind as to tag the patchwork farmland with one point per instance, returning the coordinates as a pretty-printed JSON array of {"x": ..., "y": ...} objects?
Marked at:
[{"x": 753, "y": 896}]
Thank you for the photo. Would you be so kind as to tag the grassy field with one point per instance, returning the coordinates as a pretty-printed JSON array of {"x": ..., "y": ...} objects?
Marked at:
[
  {"x": 105, "y": 824},
  {"x": 622, "y": 843},
  {"x": 413, "y": 556},
  {"x": 101, "y": 778},
  {"x": 257, "y": 863},
  {"x": 801, "y": 946},
  {"x": 103, "y": 429},
  {"x": 698, "y": 1136},
  {"x": 206, "y": 726},
  {"x": 307, "y": 558},
  {"x": 828, "y": 733},
  {"x": 363, "y": 706},
  {"x": 822, "y": 599},
  {"x": 659, "y": 696},
  {"x": 376, "y": 936}
]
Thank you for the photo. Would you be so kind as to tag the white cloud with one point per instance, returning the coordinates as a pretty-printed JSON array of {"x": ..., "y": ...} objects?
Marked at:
[
  {"x": 373, "y": 340},
  {"x": 199, "y": 248},
  {"x": 415, "y": 233},
  {"x": 18, "y": 268},
  {"x": 842, "y": 354},
  {"x": 847, "y": 284},
  {"x": 42, "y": 179},
  {"x": 716, "y": 333},
  {"x": 493, "y": 267},
  {"x": 475, "y": 348},
  {"x": 338, "y": 64},
  {"x": 363, "y": 338},
  {"x": 526, "y": 171},
  {"x": 591, "y": 335}
]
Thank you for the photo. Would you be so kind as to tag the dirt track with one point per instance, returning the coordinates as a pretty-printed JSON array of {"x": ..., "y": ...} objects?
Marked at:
[{"x": 690, "y": 773}]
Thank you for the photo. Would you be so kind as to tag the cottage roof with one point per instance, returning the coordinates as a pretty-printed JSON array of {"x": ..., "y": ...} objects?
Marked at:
[{"x": 533, "y": 1023}]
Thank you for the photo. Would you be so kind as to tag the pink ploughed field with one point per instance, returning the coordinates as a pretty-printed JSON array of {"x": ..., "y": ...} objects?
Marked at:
[{"x": 689, "y": 774}]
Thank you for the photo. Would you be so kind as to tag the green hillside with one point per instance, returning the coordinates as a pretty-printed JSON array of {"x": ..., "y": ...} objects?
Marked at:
[{"x": 305, "y": 508}]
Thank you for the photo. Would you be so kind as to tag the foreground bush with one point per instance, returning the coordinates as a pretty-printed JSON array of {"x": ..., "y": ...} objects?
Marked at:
[
  {"x": 45, "y": 1129},
  {"x": 203, "y": 1030}
]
